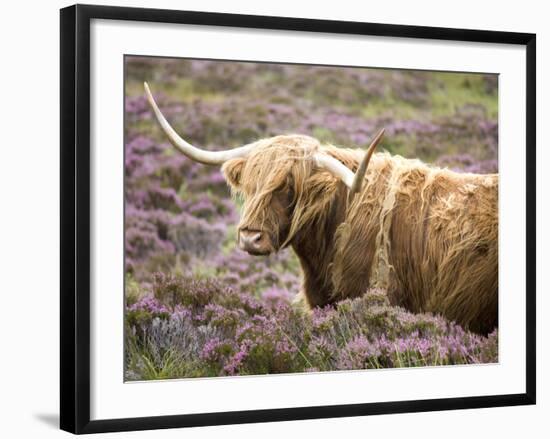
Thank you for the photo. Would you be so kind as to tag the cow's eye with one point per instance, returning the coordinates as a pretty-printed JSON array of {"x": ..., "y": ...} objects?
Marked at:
[{"x": 290, "y": 198}]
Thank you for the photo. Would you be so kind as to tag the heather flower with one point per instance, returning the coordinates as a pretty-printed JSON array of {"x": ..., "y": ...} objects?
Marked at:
[
  {"x": 275, "y": 295},
  {"x": 149, "y": 304},
  {"x": 197, "y": 305},
  {"x": 214, "y": 349}
]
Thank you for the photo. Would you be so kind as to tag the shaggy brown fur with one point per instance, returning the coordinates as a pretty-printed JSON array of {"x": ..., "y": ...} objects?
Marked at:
[{"x": 427, "y": 235}]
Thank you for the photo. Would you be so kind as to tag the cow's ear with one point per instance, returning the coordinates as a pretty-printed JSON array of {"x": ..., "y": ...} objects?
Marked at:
[{"x": 232, "y": 170}]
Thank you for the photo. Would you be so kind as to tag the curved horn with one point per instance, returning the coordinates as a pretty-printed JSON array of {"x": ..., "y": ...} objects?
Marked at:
[
  {"x": 194, "y": 153},
  {"x": 361, "y": 171},
  {"x": 338, "y": 169},
  {"x": 335, "y": 167}
]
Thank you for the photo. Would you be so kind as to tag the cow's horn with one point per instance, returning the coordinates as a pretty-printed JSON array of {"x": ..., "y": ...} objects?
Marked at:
[
  {"x": 194, "y": 153},
  {"x": 335, "y": 167},
  {"x": 338, "y": 169},
  {"x": 360, "y": 174}
]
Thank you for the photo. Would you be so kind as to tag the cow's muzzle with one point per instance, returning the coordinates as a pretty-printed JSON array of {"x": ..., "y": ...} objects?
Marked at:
[{"x": 255, "y": 242}]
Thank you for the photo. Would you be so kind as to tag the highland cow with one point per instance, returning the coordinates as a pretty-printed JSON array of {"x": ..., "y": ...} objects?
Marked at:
[{"x": 428, "y": 236}]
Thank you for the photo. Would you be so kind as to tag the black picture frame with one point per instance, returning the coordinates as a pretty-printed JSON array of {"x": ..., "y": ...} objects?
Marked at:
[{"x": 75, "y": 217}]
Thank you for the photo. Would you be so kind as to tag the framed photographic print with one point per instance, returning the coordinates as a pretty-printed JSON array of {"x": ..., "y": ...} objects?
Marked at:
[{"x": 268, "y": 218}]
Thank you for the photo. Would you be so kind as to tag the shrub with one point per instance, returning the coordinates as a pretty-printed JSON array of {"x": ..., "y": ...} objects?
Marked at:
[
  {"x": 180, "y": 219},
  {"x": 214, "y": 330}
]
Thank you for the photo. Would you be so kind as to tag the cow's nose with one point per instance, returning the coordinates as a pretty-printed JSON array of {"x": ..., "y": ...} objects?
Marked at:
[{"x": 254, "y": 242}]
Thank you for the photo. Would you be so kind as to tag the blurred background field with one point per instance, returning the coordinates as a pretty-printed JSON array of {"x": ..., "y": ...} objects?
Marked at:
[{"x": 198, "y": 306}]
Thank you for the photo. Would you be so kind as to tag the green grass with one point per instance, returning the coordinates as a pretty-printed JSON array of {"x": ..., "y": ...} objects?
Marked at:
[
  {"x": 450, "y": 92},
  {"x": 183, "y": 90}
]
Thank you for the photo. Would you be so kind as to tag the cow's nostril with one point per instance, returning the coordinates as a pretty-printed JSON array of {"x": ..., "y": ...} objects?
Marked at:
[{"x": 254, "y": 242}]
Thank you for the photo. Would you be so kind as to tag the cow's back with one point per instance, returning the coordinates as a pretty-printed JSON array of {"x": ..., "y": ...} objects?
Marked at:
[{"x": 427, "y": 235}]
